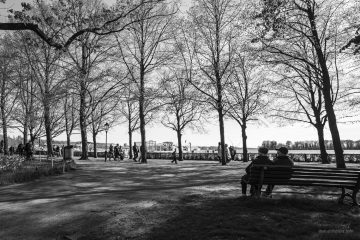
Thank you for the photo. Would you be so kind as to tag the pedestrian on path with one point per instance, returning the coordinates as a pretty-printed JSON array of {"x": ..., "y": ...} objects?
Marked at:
[{"x": 173, "y": 155}]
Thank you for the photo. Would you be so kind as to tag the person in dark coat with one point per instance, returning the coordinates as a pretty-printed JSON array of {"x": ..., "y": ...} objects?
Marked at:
[
  {"x": 116, "y": 152},
  {"x": 261, "y": 159},
  {"x": 121, "y": 153},
  {"x": 282, "y": 159},
  {"x": 111, "y": 152},
  {"x": 2, "y": 146},
  {"x": 11, "y": 150},
  {"x": 219, "y": 152},
  {"x": 58, "y": 150},
  {"x": 135, "y": 152},
  {"x": 28, "y": 151},
  {"x": 173, "y": 155},
  {"x": 20, "y": 149},
  {"x": 232, "y": 152}
]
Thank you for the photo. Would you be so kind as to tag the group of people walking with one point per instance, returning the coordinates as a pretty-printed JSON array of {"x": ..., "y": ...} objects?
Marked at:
[
  {"x": 116, "y": 152},
  {"x": 281, "y": 159}
]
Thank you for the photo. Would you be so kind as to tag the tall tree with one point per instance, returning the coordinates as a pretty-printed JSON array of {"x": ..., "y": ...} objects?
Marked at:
[
  {"x": 212, "y": 36},
  {"x": 28, "y": 108},
  {"x": 247, "y": 94},
  {"x": 144, "y": 49},
  {"x": 130, "y": 110},
  {"x": 182, "y": 110},
  {"x": 88, "y": 60},
  {"x": 8, "y": 93},
  {"x": 105, "y": 21},
  {"x": 45, "y": 66},
  {"x": 300, "y": 99},
  {"x": 318, "y": 22}
]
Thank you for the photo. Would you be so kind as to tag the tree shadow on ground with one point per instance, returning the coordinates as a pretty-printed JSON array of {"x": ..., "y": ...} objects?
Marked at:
[{"x": 248, "y": 218}]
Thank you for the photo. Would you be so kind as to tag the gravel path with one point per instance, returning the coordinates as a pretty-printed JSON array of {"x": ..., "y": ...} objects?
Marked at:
[{"x": 112, "y": 200}]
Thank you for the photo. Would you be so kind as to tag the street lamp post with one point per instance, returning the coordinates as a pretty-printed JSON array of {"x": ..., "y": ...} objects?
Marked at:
[{"x": 106, "y": 131}]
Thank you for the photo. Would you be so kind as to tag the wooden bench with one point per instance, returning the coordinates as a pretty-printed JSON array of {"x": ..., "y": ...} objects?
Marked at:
[{"x": 347, "y": 178}]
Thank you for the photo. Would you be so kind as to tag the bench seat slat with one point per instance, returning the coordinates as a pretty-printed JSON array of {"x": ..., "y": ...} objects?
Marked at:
[
  {"x": 255, "y": 170},
  {"x": 310, "y": 168},
  {"x": 327, "y": 168},
  {"x": 303, "y": 176},
  {"x": 324, "y": 172},
  {"x": 307, "y": 183},
  {"x": 284, "y": 172},
  {"x": 254, "y": 180}
]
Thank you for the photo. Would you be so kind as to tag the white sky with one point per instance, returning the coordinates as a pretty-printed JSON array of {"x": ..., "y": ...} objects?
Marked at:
[{"x": 256, "y": 134}]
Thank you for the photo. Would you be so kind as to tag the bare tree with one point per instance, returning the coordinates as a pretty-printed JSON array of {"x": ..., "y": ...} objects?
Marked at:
[
  {"x": 247, "y": 94},
  {"x": 318, "y": 23},
  {"x": 104, "y": 110},
  {"x": 88, "y": 63},
  {"x": 130, "y": 110},
  {"x": 70, "y": 108},
  {"x": 44, "y": 62},
  {"x": 144, "y": 49},
  {"x": 211, "y": 37},
  {"x": 300, "y": 99},
  {"x": 182, "y": 110},
  {"x": 8, "y": 94},
  {"x": 28, "y": 110},
  {"x": 105, "y": 21}
]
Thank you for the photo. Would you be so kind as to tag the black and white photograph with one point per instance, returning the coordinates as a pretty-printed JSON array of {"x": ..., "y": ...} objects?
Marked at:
[{"x": 179, "y": 119}]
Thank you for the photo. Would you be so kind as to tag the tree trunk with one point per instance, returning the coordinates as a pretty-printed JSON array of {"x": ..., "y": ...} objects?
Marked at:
[
  {"x": 4, "y": 122},
  {"x": 222, "y": 135},
  {"x": 94, "y": 141},
  {"x": 48, "y": 127},
  {"x": 244, "y": 141},
  {"x": 83, "y": 123},
  {"x": 130, "y": 131},
  {"x": 323, "y": 153},
  {"x": 84, "y": 146},
  {"x": 339, "y": 153},
  {"x": 180, "y": 145},
  {"x": 25, "y": 133},
  {"x": 142, "y": 114},
  {"x": 3, "y": 116},
  {"x": 67, "y": 130},
  {"x": 68, "y": 139},
  {"x": 130, "y": 143}
]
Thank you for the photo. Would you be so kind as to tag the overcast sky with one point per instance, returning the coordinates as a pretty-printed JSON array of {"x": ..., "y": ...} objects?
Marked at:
[{"x": 256, "y": 133}]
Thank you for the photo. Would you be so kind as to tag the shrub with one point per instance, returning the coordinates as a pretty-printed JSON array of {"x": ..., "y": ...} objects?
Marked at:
[{"x": 16, "y": 170}]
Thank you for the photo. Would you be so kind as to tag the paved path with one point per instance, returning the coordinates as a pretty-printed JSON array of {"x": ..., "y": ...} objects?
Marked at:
[{"x": 109, "y": 196}]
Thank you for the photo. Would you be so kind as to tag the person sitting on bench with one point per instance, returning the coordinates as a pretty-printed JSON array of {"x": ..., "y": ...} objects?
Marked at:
[
  {"x": 282, "y": 159},
  {"x": 261, "y": 159}
]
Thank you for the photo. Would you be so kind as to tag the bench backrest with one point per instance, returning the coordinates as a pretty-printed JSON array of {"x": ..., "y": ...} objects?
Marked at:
[{"x": 305, "y": 176}]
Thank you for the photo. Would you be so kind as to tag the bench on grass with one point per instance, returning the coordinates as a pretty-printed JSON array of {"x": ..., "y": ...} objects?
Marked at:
[{"x": 346, "y": 178}]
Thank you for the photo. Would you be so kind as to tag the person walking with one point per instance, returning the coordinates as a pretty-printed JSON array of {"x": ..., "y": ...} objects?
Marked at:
[
  {"x": 116, "y": 152},
  {"x": 111, "y": 152},
  {"x": 173, "y": 155},
  {"x": 227, "y": 154},
  {"x": 121, "y": 153},
  {"x": 135, "y": 152},
  {"x": 28, "y": 151},
  {"x": 219, "y": 152}
]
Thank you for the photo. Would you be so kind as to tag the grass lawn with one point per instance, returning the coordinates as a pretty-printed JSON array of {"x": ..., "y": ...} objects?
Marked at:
[{"x": 160, "y": 200}]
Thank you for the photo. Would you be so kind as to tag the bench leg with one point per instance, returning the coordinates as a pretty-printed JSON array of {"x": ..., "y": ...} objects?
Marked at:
[
  {"x": 341, "y": 199},
  {"x": 355, "y": 202}
]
